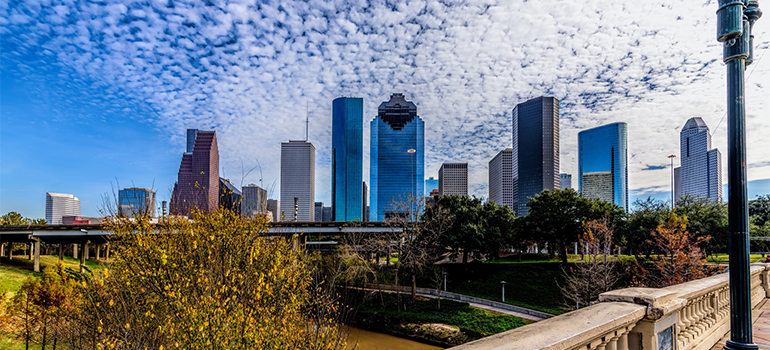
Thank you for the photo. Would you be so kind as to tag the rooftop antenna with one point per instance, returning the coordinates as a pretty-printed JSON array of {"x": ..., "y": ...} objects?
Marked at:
[{"x": 307, "y": 119}]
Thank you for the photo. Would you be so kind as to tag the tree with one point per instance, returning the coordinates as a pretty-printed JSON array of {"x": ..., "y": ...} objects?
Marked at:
[
  {"x": 705, "y": 218},
  {"x": 598, "y": 273},
  {"x": 759, "y": 210},
  {"x": 649, "y": 214},
  {"x": 212, "y": 282},
  {"x": 682, "y": 257},
  {"x": 14, "y": 218},
  {"x": 556, "y": 217}
]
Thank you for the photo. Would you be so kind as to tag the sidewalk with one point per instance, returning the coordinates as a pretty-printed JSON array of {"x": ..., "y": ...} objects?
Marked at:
[{"x": 761, "y": 329}]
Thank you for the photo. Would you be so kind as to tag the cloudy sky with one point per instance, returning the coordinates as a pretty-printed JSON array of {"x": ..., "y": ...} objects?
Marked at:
[{"x": 97, "y": 95}]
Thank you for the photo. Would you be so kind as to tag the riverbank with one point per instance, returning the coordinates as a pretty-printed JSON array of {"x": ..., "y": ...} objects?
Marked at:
[{"x": 440, "y": 322}]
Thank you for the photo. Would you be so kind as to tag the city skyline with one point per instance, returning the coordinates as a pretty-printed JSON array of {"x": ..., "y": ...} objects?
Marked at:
[{"x": 110, "y": 111}]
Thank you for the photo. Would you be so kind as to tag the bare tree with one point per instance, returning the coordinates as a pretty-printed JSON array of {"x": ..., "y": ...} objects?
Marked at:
[{"x": 598, "y": 273}]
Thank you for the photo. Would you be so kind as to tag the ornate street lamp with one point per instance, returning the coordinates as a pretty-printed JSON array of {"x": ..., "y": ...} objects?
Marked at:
[{"x": 735, "y": 18}]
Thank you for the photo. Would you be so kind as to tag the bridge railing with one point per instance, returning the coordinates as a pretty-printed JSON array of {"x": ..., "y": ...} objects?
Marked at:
[{"x": 687, "y": 316}]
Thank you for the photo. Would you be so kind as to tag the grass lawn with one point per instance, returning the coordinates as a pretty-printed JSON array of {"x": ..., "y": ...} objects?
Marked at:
[
  {"x": 724, "y": 258},
  {"x": 8, "y": 343},
  {"x": 14, "y": 272}
]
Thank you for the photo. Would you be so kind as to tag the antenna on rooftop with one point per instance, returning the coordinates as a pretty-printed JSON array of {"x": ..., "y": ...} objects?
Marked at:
[{"x": 307, "y": 119}]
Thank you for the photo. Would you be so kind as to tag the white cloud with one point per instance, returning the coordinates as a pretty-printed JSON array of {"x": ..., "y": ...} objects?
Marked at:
[{"x": 248, "y": 70}]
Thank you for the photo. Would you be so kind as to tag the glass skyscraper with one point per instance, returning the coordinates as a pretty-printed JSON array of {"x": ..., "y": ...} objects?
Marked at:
[
  {"x": 397, "y": 156},
  {"x": 347, "y": 158},
  {"x": 535, "y": 150},
  {"x": 701, "y": 172},
  {"x": 136, "y": 201},
  {"x": 603, "y": 163}
]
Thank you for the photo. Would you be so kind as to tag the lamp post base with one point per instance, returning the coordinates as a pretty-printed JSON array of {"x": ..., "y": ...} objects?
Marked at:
[{"x": 731, "y": 345}]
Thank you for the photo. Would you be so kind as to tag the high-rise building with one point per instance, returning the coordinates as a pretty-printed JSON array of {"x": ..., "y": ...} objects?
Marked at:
[
  {"x": 347, "y": 158},
  {"x": 603, "y": 154},
  {"x": 319, "y": 212},
  {"x": 136, "y": 201},
  {"x": 501, "y": 178},
  {"x": 274, "y": 207},
  {"x": 431, "y": 184},
  {"x": 453, "y": 179},
  {"x": 298, "y": 180},
  {"x": 397, "y": 156},
  {"x": 197, "y": 183},
  {"x": 253, "y": 200},
  {"x": 535, "y": 149},
  {"x": 58, "y": 205},
  {"x": 565, "y": 181},
  {"x": 701, "y": 167},
  {"x": 229, "y": 196},
  {"x": 365, "y": 202}
]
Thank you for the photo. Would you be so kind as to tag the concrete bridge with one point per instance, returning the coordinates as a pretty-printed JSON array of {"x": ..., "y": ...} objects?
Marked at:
[
  {"x": 687, "y": 316},
  {"x": 81, "y": 236}
]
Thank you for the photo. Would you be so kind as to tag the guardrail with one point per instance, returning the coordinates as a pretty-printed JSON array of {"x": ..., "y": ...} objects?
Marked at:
[{"x": 687, "y": 316}]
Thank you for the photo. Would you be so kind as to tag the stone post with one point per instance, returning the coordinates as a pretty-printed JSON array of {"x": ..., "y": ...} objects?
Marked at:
[
  {"x": 98, "y": 251},
  {"x": 83, "y": 259},
  {"x": 75, "y": 250},
  {"x": 31, "y": 248},
  {"x": 37, "y": 255},
  {"x": 661, "y": 318}
]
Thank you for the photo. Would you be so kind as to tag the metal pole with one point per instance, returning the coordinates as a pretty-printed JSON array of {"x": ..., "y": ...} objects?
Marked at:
[
  {"x": 734, "y": 21},
  {"x": 672, "y": 180},
  {"x": 503, "y": 283}
]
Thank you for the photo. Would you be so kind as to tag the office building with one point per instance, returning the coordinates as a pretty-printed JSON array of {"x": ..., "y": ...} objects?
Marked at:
[
  {"x": 397, "y": 156},
  {"x": 700, "y": 174},
  {"x": 58, "y": 205},
  {"x": 274, "y": 208},
  {"x": 535, "y": 149},
  {"x": 431, "y": 184},
  {"x": 197, "y": 183},
  {"x": 298, "y": 180},
  {"x": 453, "y": 179},
  {"x": 501, "y": 178},
  {"x": 347, "y": 158},
  {"x": 135, "y": 201},
  {"x": 229, "y": 196},
  {"x": 565, "y": 181},
  {"x": 603, "y": 163},
  {"x": 319, "y": 212},
  {"x": 365, "y": 202},
  {"x": 253, "y": 201}
]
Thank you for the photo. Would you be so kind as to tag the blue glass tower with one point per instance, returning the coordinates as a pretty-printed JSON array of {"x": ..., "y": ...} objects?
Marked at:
[
  {"x": 397, "y": 156},
  {"x": 347, "y": 158},
  {"x": 603, "y": 163}
]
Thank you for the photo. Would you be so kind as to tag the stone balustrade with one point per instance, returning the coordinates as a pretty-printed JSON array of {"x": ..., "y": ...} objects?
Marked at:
[{"x": 687, "y": 316}]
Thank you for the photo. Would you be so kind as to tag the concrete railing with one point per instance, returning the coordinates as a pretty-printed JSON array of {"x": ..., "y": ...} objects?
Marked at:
[
  {"x": 461, "y": 297},
  {"x": 687, "y": 316}
]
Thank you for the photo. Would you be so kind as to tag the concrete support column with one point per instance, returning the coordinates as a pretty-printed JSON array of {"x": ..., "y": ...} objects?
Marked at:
[
  {"x": 98, "y": 251},
  {"x": 108, "y": 253},
  {"x": 37, "y": 256},
  {"x": 75, "y": 250},
  {"x": 83, "y": 259},
  {"x": 10, "y": 250},
  {"x": 85, "y": 250},
  {"x": 2, "y": 250},
  {"x": 31, "y": 246},
  {"x": 61, "y": 251}
]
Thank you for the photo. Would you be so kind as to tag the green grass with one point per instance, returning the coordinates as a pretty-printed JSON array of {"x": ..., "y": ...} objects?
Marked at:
[
  {"x": 725, "y": 258},
  {"x": 8, "y": 343},
  {"x": 14, "y": 272}
]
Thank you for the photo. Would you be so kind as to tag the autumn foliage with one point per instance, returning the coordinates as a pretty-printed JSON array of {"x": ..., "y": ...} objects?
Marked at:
[{"x": 681, "y": 258}]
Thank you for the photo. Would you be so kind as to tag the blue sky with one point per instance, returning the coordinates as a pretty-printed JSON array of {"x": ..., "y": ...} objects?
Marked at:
[{"x": 95, "y": 96}]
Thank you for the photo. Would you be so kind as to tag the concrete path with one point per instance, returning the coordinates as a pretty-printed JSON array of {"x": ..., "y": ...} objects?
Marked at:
[
  {"x": 761, "y": 329},
  {"x": 476, "y": 305}
]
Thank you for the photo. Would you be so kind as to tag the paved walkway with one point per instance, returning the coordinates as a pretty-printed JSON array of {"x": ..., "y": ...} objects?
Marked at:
[
  {"x": 761, "y": 329},
  {"x": 476, "y": 305}
]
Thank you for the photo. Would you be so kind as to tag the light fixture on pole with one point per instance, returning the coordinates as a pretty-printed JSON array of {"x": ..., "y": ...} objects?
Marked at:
[{"x": 672, "y": 180}]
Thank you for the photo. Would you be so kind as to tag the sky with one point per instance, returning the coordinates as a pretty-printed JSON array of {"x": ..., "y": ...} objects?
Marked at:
[{"x": 96, "y": 96}]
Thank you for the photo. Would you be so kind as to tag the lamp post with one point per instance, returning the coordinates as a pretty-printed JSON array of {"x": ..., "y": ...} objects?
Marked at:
[
  {"x": 735, "y": 18},
  {"x": 672, "y": 179},
  {"x": 503, "y": 283},
  {"x": 444, "y": 280}
]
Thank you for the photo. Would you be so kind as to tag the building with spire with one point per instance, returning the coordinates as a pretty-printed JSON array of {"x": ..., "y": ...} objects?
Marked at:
[
  {"x": 397, "y": 157},
  {"x": 700, "y": 174}
]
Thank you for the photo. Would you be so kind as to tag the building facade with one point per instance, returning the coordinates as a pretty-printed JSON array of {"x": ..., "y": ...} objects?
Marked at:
[
  {"x": 58, "y": 205},
  {"x": 136, "y": 201},
  {"x": 501, "y": 178},
  {"x": 197, "y": 183},
  {"x": 565, "y": 181},
  {"x": 274, "y": 208},
  {"x": 603, "y": 152},
  {"x": 700, "y": 174},
  {"x": 397, "y": 156},
  {"x": 347, "y": 158},
  {"x": 230, "y": 197},
  {"x": 298, "y": 180},
  {"x": 431, "y": 184},
  {"x": 535, "y": 149},
  {"x": 453, "y": 179},
  {"x": 253, "y": 200}
]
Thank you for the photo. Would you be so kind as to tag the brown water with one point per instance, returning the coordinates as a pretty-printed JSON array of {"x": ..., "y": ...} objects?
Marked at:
[{"x": 361, "y": 339}]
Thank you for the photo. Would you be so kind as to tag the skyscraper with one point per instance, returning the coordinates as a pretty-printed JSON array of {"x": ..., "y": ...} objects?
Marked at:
[
  {"x": 253, "y": 200},
  {"x": 453, "y": 179},
  {"x": 501, "y": 178},
  {"x": 274, "y": 207},
  {"x": 565, "y": 181},
  {"x": 136, "y": 201},
  {"x": 197, "y": 183},
  {"x": 431, "y": 184},
  {"x": 298, "y": 180},
  {"x": 347, "y": 158},
  {"x": 603, "y": 163},
  {"x": 535, "y": 149},
  {"x": 701, "y": 170},
  {"x": 58, "y": 205},
  {"x": 229, "y": 196},
  {"x": 397, "y": 156}
]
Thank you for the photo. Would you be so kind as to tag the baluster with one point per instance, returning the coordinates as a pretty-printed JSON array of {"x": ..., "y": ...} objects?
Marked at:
[
  {"x": 682, "y": 324},
  {"x": 623, "y": 341},
  {"x": 612, "y": 344}
]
